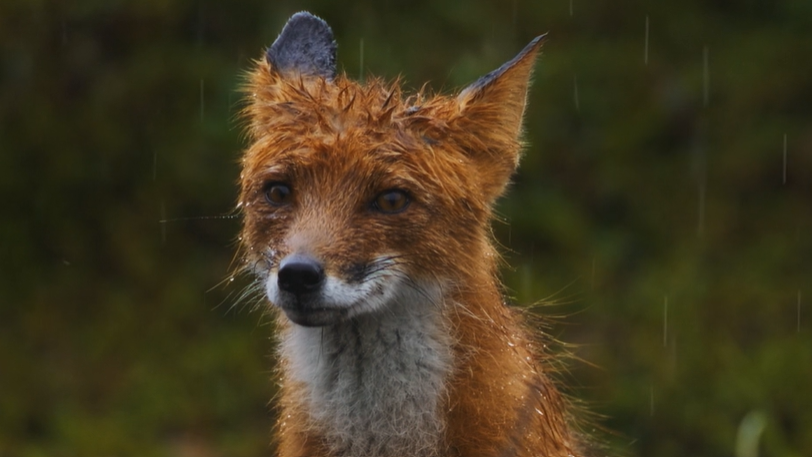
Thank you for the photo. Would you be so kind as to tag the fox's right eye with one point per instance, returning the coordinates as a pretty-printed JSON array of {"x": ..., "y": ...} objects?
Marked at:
[
  {"x": 277, "y": 193},
  {"x": 391, "y": 201}
]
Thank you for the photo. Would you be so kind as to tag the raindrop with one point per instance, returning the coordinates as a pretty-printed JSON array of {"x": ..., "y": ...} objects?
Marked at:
[
  {"x": 645, "y": 47},
  {"x": 785, "y": 158},
  {"x": 361, "y": 61},
  {"x": 163, "y": 222},
  {"x": 700, "y": 227},
  {"x": 705, "y": 76},
  {"x": 575, "y": 93},
  {"x": 665, "y": 321},
  {"x": 799, "y": 312},
  {"x": 571, "y": 8},
  {"x": 651, "y": 401},
  {"x": 155, "y": 166},
  {"x": 202, "y": 103}
]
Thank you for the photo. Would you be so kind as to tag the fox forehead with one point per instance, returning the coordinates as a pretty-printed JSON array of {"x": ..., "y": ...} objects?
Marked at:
[
  {"x": 344, "y": 129},
  {"x": 307, "y": 105}
]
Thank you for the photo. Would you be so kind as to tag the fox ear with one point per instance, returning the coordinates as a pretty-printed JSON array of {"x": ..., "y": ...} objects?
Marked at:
[
  {"x": 490, "y": 117},
  {"x": 306, "y": 46}
]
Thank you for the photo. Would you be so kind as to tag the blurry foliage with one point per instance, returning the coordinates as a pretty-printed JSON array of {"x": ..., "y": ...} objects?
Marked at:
[{"x": 652, "y": 203}]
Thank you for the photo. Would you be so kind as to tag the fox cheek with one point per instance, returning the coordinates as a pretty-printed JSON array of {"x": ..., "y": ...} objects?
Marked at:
[{"x": 261, "y": 243}]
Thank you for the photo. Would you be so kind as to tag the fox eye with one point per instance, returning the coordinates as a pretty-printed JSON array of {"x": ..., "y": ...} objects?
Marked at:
[
  {"x": 391, "y": 201},
  {"x": 277, "y": 193}
]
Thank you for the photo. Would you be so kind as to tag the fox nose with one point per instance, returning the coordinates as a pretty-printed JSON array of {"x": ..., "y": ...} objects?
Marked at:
[{"x": 300, "y": 274}]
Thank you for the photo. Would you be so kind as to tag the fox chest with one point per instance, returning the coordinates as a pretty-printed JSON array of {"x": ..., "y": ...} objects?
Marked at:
[{"x": 373, "y": 386}]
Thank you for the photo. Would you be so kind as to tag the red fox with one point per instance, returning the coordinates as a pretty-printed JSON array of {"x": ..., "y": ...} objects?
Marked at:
[{"x": 367, "y": 222}]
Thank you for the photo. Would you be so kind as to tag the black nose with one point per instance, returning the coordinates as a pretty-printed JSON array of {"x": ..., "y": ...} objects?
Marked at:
[{"x": 300, "y": 274}]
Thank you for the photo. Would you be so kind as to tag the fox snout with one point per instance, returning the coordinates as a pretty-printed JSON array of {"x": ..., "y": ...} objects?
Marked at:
[
  {"x": 300, "y": 274},
  {"x": 297, "y": 288},
  {"x": 312, "y": 295},
  {"x": 299, "y": 282}
]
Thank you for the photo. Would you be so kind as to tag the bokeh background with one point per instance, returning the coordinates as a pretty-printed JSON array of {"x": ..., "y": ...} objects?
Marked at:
[{"x": 664, "y": 203}]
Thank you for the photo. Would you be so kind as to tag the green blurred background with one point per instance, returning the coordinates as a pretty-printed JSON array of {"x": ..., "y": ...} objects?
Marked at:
[{"x": 663, "y": 202}]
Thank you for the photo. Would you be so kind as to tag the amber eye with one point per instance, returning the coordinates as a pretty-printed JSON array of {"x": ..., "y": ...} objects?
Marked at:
[
  {"x": 391, "y": 201},
  {"x": 277, "y": 193}
]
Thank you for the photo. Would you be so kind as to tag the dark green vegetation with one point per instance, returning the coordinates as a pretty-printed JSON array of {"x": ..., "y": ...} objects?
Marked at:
[{"x": 653, "y": 200}]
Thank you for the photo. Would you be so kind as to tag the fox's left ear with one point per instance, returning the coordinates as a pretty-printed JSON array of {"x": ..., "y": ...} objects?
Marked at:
[
  {"x": 490, "y": 118},
  {"x": 305, "y": 47}
]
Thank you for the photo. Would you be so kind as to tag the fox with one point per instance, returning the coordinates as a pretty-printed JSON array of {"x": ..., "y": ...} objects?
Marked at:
[{"x": 366, "y": 221}]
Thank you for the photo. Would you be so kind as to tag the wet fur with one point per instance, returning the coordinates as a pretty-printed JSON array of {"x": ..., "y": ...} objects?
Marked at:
[
  {"x": 374, "y": 385},
  {"x": 444, "y": 368}
]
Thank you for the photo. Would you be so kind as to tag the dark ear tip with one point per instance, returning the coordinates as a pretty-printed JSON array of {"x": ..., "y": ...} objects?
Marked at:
[
  {"x": 538, "y": 39},
  {"x": 530, "y": 48},
  {"x": 306, "y": 19},
  {"x": 305, "y": 45}
]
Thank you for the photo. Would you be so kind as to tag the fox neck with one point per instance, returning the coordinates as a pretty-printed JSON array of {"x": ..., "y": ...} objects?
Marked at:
[{"x": 374, "y": 385}]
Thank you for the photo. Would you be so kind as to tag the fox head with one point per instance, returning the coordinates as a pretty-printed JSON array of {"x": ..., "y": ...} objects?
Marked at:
[{"x": 356, "y": 196}]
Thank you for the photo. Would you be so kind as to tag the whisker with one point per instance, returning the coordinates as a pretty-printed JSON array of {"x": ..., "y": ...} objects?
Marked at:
[
  {"x": 252, "y": 294},
  {"x": 197, "y": 218}
]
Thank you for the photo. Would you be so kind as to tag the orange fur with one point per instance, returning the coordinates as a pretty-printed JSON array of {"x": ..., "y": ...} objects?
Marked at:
[{"x": 338, "y": 143}]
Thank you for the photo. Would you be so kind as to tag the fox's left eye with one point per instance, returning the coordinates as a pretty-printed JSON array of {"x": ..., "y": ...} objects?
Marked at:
[
  {"x": 277, "y": 193},
  {"x": 391, "y": 201}
]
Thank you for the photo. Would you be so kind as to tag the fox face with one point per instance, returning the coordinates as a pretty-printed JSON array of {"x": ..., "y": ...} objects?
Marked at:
[
  {"x": 345, "y": 216},
  {"x": 341, "y": 226},
  {"x": 355, "y": 196}
]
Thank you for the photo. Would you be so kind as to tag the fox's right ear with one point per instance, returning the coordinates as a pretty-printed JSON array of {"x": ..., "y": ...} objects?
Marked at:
[
  {"x": 490, "y": 119},
  {"x": 305, "y": 47}
]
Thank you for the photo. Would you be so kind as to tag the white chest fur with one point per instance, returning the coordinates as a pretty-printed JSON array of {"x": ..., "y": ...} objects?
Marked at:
[{"x": 375, "y": 385}]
